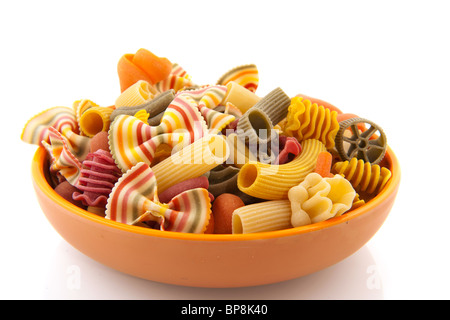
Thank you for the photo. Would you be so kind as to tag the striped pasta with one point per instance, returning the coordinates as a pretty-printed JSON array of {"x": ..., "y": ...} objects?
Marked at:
[
  {"x": 246, "y": 75},
  {"x": 61, "y": 119},
  {"x": 260, "y": 217},
  {"x": 272, "y": 182},
  {"x": 192, "y": 161},
  {"x": 134, "y": 200},
  {"x": 62, "y": 159},
  {"x": 306, "y": 120},
  {"x": 136, "y": 94},
  {"x": 215, "y": 120},
  {"x": 132, "y": 141},
  {"x": 211, "y": 96},
  {"x": 364, "y": 176},
  {"x": 177, "y": 80},
  {"x": 154, "y": 107}
]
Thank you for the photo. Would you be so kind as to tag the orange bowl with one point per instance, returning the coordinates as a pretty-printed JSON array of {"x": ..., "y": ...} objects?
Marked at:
[{"x": 214, "y": 260}]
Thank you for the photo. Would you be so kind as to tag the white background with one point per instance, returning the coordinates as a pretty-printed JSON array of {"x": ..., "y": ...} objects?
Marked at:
[{"x": 387, "y": 61}]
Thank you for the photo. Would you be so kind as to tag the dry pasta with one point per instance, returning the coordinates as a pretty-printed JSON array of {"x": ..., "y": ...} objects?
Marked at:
[
  {"x": 317, "y": 199},
  {"x": 239, "y": 152},
  {"x": 94, "y": 120},
  {"x": 306, "y": 120},
  {"x": 272, "y": 182},
  {"x": 134, "y": 199},
  {"x": 154, "y": 107},
  {"x": 191, "y": 161},
  {"x": 364, "y": 176},
  {"x": 240, "y": 97},
  {"x": 275, "y": 104},
  {"x": 262, "y": 217},
  {"x": 136, "y": 94},
  {"x": 246, "y": 75}
]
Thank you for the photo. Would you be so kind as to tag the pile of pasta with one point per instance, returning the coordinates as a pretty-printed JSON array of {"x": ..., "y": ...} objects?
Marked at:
[{"x": 164, "y": 153}]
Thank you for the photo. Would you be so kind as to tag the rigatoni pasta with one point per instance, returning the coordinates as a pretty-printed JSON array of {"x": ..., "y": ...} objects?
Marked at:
[
  {"x": 191, "y": 161},
  {"x": 261, "y": 217},
  {"x": 136, "y": 94},
  {"x": 272, "y": 182}
]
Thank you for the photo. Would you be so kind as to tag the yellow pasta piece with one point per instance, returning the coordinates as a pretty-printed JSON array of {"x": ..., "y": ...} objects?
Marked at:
[
  {"x": 364, "y": 176},
  {"x": 306, "y": 120},
  {"x": 136, "y": 94},
  {"x": 192, "y": 161},
  {"x": 317, "y": 199},
  {"x": 260, "y": 217},
  {"x": 81, "y": 106},
  {"x": 272, "y": 182},
  {"x": 94, "y": 120},
  {"x": 240, "y": 97},
  {"x": 357, "y": 202}
]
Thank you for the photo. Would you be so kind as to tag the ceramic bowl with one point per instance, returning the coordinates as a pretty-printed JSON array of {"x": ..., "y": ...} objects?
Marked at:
[{"x": 213, "y": 260}]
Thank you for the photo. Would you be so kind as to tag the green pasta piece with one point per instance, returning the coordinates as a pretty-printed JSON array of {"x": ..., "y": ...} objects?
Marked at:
[
  {"x": 275, "y": 105},
  {"x": 154, "y": 107},
  {"x": 223, "y": 179}
]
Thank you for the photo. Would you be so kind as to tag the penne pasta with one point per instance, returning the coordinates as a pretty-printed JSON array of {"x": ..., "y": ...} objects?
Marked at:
[
  {"x": 262, "y": 217},
  {"x": 275, "y": 105}
]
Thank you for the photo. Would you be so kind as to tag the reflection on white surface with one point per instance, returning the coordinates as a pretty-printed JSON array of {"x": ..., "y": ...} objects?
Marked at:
[{"x": 72, "y": 275}]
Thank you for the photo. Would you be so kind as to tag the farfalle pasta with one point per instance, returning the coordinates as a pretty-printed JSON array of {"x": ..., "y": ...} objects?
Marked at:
[
  {"x": 166, "y": 148},
  {"x": 134, "y": 200},
  {"x": 177, "y": 80}
]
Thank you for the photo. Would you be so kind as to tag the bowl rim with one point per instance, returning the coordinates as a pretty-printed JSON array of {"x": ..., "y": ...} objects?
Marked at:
[{"x": 37, "y": 172}]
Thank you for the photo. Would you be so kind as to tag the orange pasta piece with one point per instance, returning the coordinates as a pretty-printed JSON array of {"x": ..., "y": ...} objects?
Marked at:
[
  {"x": 345, "y": 116},
  {"x": 323, "y": 164},
  {"x": 155, "y": 67},
  {"x": 129, "y": 73},
  {"x": 143, "y": 65},
  {"x": 320, "y": 103}
]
